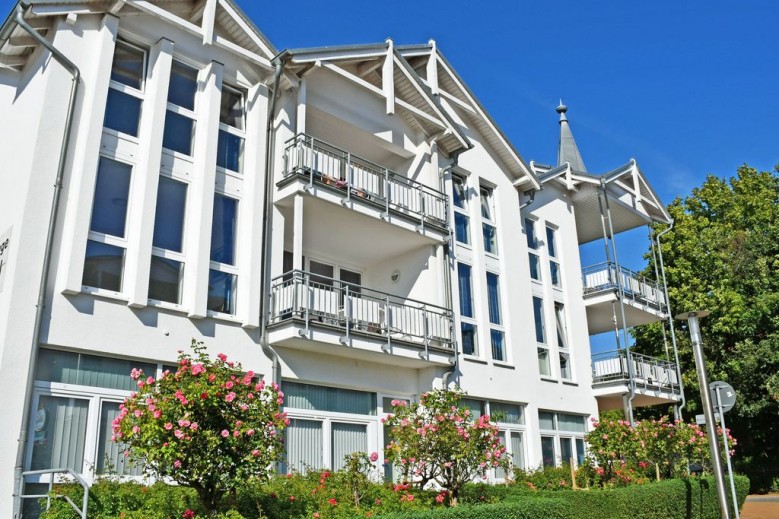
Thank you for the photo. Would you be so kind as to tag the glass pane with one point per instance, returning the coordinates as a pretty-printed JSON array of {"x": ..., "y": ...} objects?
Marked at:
[
  {"x": 485, "y": 196},
  {"x": 183, "y": 86},
  {"x": 110, "y": 455},
  {"x": 223, "y": 229},
  {"x": 490, "y": 238},
  {"x": 229, "y": 152},
  {"x": 566, "y": 450},
  {"x": 122, "y": 112},
  {"x": 386, "y": 403},
  {"x": 543, "y": 362},
  {"x": 352, "y": 279},
  {"x": 565, "y": 366},
  {"x": 476, "y": 406},
  {"x": 562, "y": 340},
  {"x": 464, "y": 286},
  {"x": 546, "y": 420},
  {"x": 493, "y": 297},
  {"x": 538, "y": 314},
  {"x": 165, "y": 280},
  {"x": 304, "y": 445},
  {"x": 109, "y": 208},
  {"x": 88, "y": 370},
  {"x": 221, "y": 292},
  {"x": 60, "y": 433},
  {"x": 535, "y": 266},
  {"x": 461, "y": 228},
  {"x": 323, "y": 398},
  {"x": 103, "y": 266},
  {"x": 507, "y": 413},
  {"x": 468, "y": 333},
  {"x": 322, "y": 273},
  {"x": 458, "y": 192},
  {"x": 547, "y": 451},
  {"x": 346, "y": 439},
  {"x": 169, "y": 216},
  {"x": 498, "y": 349},
  {"x": 570, "y": 422},
  {"x": 500, "y": 473},
  {"x": 580, "y": 451},
  {"x": 551, "y": 246},
  {"x": 530, "y": 232},
  {"x": 554, "y": 273},
  {"x": 178, "y": 133},
  {"x": 231, "y": 109},
  {"x": 128, "y": 65},
  {"x": 518, "y": 450}
]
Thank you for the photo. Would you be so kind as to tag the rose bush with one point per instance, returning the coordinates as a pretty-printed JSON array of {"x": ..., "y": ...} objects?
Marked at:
[{"x": 208, "y": 426}]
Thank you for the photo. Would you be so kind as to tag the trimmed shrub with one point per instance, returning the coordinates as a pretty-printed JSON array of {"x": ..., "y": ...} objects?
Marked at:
[{"x": 530, "y": 508}]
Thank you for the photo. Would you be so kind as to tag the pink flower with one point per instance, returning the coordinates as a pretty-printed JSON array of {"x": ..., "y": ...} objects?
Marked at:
[
  {"x": 221, "y": 356},
  {"x": 135, "y": 374},
  {"x": 230, "y": 396},
  {"x": 194, "y": 426},
  {"x": 225, "y": 433},
  {"x": 374, "y": 456},
  {"x": 333, "y": 501},
  {"x": 439, "y": 498},
  {"x": 138, "y": 413},
  {"x": 211, "y": 377},
  {"x": 177, "y": 464},
  {"x": 157, "y": 414},
  {"x": 250, "y": 432},
  {"x": 150, "y": 380},
  {"x": 228, "y": 385},
  {"x": 136, "y": 429},
  {"x": 168, "y": 426},
  {"x": 255, "y": 453}
]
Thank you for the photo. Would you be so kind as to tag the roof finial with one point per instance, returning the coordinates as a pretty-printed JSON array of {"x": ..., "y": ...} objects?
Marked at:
[
  {"x": 561, "y": 109},
  {"x": 567, "y": 150}
]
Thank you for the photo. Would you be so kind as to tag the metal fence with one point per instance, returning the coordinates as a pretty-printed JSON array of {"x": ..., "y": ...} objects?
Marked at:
[
  {"x": 362, "y": 180},
  {"x": 67, "y": 475},
  {"x": 606, "y": 276},
  {"x": 648, "y": 372},
  {"x": 325, "y": 302}
]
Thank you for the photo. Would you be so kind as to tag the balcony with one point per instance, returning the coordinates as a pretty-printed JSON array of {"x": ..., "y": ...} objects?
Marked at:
[
  {"x": 326, "y": 170},
  {"x": 313, "y": 312},
  {"x": 656, "y": 380},
  {"x": 644, "y": 298}
]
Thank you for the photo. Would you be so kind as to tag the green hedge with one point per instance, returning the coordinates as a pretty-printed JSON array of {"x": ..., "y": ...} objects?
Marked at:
[{"x": 531, "y": 508}]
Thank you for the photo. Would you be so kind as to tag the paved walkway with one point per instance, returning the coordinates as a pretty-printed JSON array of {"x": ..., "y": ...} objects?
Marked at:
[{"x": 761, "y": 507}]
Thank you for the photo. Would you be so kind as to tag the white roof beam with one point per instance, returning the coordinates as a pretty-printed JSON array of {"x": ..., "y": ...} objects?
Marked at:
[
  {"x": 388, "y": 77},
  {"x": 116, "y": 7},
  {"x": 459, "y": 102},
  {"x": 432, "y": 69},
  {"x": 22, "y": 41},
  {"x": 363, "y": 69},
  {"x": 229, "y": 9},
  {"x": 209, "y": 17},
  {"x": 12, "y": 61}
]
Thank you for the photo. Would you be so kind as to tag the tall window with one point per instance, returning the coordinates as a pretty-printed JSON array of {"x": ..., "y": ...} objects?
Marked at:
[
  {"x": 167, "y": 261},
  {"x": 497, "y": 337},
  {"x": 543, "y": 348},
  {"x": 554, "y": 263},
  {"x": 223, "y": 274},
  {"x": 232, "y": 130},
  {"x": 467, "y": 321},
  {"x": 562, "y": 438},
  {"x": 460, "y": 201},
  {"x": 532, "y": 245},
  {"x": 180, "y": 117},
  {"x": 104, "y": 262},
  {"x": 562, "y": 342},
  {"x": 488, "y": 220},
  {"x": 125, "y": 93}
]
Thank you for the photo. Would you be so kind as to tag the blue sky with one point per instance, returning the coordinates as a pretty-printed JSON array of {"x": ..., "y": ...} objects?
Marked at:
[{"x": 687, "y": 88}]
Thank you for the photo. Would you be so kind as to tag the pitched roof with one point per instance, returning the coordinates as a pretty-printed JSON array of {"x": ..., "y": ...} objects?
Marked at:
[{"x": 567, "y": 151}]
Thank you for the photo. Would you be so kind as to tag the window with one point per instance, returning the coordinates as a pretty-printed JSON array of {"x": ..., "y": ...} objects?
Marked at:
[
  {"x": 461, "y": 219},
  {"x": 493, "y": 301},
  {"x": 562, "y": 342},
  {"x": 532, "y": 244},
  {"x": 544, "y": 366},
  {"x": 562, "y": 438},
  {"x": 530, "y": 233},
  {"x": 232, "y": 130},
  {"x": 104, "y": 261},
  {"x": 554, "y": 264},
  {"x": 125, "y": 93},
  {"x": 515, "y": 450},
  {"x": 467, "y": 321},
  {"x": 223, "y": 275},
  {"x": 488, "y": 221},
  {"x": 180, "y": 117},
  {"x": 167, "y": 262}
]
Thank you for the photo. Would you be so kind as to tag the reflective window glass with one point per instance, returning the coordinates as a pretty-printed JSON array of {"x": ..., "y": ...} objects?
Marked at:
[
  {"x": 183, "y": 85},
  {"x": 169, "y": 216},
  {"x": 178, "y": 133},
  {"x": 468, "y": 334},
  {"x": 221, "y": 292},
  {"x": 461, "y": 232},
  {"x": 109, "y": 209},
  {"x": 223, "y": 229},
  {"x": 231, "y": 110},
  {"x": 122, "y": 112},
  {"x": 103, "y": 266},
  {"x": 128, "y": 65},
  {"x": 165, "y": 279},
  {"x": 229, "y": 151}
]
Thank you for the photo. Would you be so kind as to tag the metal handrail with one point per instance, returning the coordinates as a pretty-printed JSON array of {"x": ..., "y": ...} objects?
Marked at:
[
  {"x": 323, "y": 301},
  {"x": 361, "y": 179},
  {"x": 648, "y": 372},
  {"x": 603, "y": 276},
  {"x": 82, "y": 512}
]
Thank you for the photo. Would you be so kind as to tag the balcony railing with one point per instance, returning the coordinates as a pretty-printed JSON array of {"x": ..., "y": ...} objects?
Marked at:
[
  {"x": 605, "y": 276},
  {"x": 648, "y": 372},
  {"x": 362, "y": 180},
  {"x": 318, "y": 301}
]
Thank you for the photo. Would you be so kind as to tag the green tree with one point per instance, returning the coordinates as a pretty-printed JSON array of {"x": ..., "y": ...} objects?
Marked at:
[{"x": 722, "y": 255}]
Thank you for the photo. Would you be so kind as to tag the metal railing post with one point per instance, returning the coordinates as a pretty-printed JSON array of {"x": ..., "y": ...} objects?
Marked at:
[
  {"x": 307, "y": 304},
  {"x": 346, "y": 339},
  {"x": 386, "y": 194},
  {"x": 387, "y": 324}
]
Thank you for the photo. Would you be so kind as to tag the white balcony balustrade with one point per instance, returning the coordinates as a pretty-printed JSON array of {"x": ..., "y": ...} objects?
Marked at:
[
  {"x": 606, "y": 277},
  {"x": 610, "y": 368}
]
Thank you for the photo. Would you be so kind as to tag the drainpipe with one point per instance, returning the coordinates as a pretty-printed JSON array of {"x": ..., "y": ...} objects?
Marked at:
[
  {"x": 531, "y": 194},
  {"x": 671, "y": 321},
  {"x": 18, "y": 21},
  {"x": 266, "y": 223}
]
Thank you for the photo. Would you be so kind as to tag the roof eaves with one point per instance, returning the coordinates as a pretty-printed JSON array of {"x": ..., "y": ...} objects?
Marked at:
[{"x": 253, "y": 26}]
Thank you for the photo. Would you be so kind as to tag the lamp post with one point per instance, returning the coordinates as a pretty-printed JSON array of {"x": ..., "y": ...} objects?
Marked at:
[{"x": 708, "y": 409}]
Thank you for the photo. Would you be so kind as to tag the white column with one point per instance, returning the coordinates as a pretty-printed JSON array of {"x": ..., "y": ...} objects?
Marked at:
[
  {"x": 297, "y": 234},
  {"x": 300, "y": 118},
  {"x": 143, "y": 191},
  {"x": 388, "y": 77},
  {"x": 252, "y": 208},
  {"x": 84, "y": 155},
  {"x": 201, "y": 196}
]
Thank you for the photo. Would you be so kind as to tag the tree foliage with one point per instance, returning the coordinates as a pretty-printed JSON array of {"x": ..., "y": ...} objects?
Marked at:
[{"x": 722, "y": 255}]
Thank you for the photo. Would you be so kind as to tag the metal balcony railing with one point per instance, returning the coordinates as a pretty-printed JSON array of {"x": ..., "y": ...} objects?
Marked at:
[
  {"x": 362, "y": 180},
  {"x": 68, "y": 473},
  {"x": 318, "y": 301},
  {"x": 605, "y": 276},
  {"x": 648, "y": 372}
]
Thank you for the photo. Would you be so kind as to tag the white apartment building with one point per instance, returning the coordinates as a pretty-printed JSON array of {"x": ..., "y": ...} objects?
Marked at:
[{"x": 347, "y": 221}]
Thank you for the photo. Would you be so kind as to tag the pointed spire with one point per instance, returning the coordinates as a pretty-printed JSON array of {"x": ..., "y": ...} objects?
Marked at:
[{"x": 567, "y": 150}]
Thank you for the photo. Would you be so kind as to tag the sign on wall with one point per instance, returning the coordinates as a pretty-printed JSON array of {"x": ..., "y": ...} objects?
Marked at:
[{"x": 5, "y": 243}]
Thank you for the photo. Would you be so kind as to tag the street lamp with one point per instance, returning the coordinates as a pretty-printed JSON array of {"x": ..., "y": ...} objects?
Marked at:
[{"x": 708, "y": 409}]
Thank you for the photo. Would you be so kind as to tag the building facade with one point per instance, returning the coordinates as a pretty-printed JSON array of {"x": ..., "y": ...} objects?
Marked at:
[{"x": 347, "y": 221}]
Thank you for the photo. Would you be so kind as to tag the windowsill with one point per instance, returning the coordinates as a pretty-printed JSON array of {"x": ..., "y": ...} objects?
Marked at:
[
  {"x": 537, "y": 282},
  {"x": 503, "y": 364},
  {"x": 230, "y": 173},
  {"x": 154, "y": 303},
  {"x": 101, "y": 292},
  {"x": 471, "y": 358},
  {"x": 121, "y": 135},
  {"x": 178, "y": 155},
  {"x": 492, "y": 255},
  {"x": 223, "y": 317},
  {"x": 570, "y": 383},
  {"x": 549, "y": 379},
  {"x": 466, "y": 246}
]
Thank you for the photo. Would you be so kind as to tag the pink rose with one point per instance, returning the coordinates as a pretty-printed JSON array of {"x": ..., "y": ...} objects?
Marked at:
[{"x": 225, "y": 433}]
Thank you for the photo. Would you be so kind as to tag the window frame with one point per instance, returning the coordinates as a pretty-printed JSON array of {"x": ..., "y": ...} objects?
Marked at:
[
  {"x": 227, "y": 268},
  {"x": 139, "y": 94},
  {"x": 182, "y": 111},
  {"x": 232, "y": 130},
  {"x": 496, "y": 327},
  {"x": 487, "y": 199},
  {"x": 559, "y": 435},
  {"x": 463, "y": 212},
  {"x": 168, "y": 254},
  {"x": 553, "y": 255},
  {"x": 466, "y": 319}
]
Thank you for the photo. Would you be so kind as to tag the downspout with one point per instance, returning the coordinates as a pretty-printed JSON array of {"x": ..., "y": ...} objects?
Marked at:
[
  {"x": 266, "y": 223},
  {"x": 18, "y": 21},
  {"x": 671, "y": 321},
  {"x": 531, "y": 194}
]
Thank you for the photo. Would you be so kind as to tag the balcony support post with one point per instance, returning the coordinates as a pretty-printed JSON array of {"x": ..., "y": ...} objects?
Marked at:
[
  {"x": 346, "y": 339},
  {"x": 307, "y": 304},
  {"x": 387, "y": 348},
  {"x": 385, "y": 214}
]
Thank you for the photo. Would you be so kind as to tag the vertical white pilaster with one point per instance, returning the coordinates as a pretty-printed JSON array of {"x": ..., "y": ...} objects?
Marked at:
[
  {"x": 388, "y": 77},
  {"x": 85, "y": 153},
  {"x": 143, "y": 191},
  {"x": 297, "y": 234},
  {"x": 201, "y": 196},
  {"x": 300, "y": 117},
  {"x": 432, "y": 69},
  {"x": 277, "y": 245},
  {"x": 249, "y": 242}
]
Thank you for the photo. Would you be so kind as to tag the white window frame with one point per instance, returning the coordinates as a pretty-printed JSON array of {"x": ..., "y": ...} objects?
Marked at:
[
  {"x": 126, "y": 89},
  {"x": 180, "y": 110},
  {"x": 465, "y": 319},
  {"x": 559, "y": 435},
  {"x": 552, "y": 233},
  {"x": 233, "y": 130},
  {"x": 561, "y": 328},
  {"x": 533, "y": 252},
  {"x": 464, "y": 211},
  {"x": 225, "y": 267},
  {"x": 489, "y": 191},
  {"x": 500, "y": 327}
]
